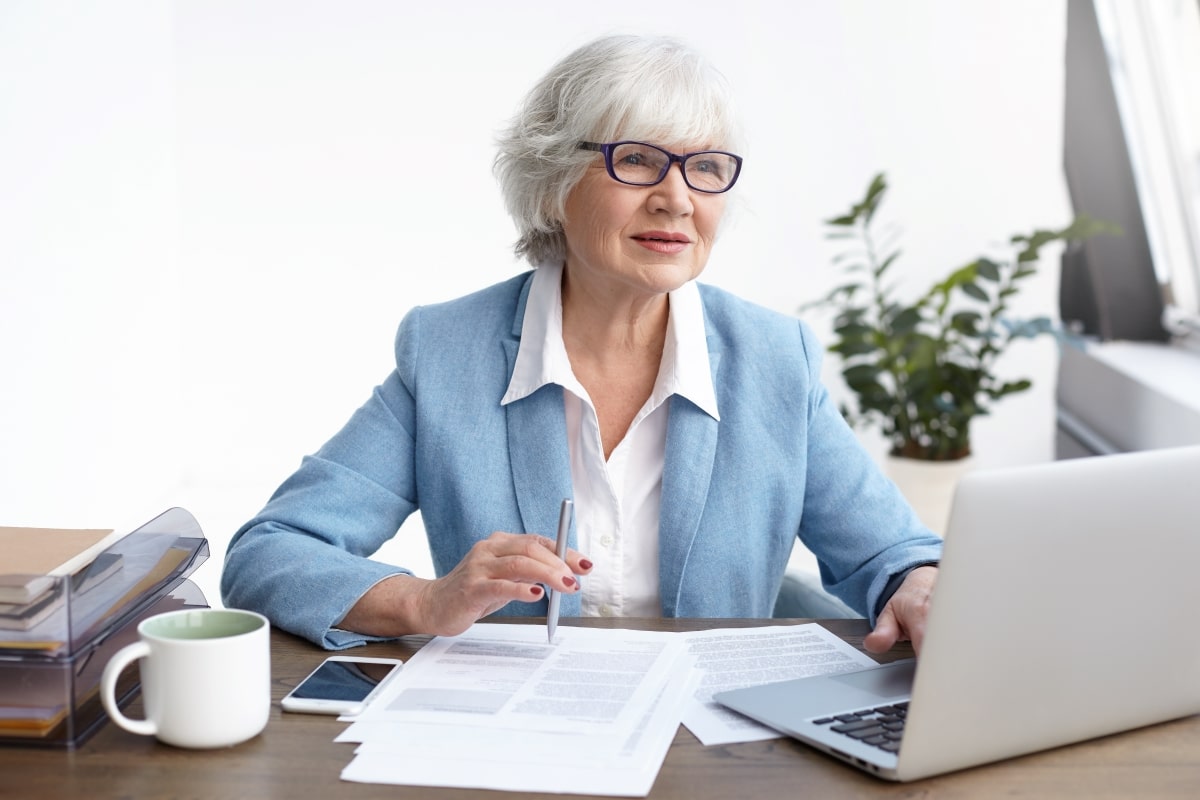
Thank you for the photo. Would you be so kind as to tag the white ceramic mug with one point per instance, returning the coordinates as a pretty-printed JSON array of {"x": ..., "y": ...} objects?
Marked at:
[{"x": 206, "y": 677}]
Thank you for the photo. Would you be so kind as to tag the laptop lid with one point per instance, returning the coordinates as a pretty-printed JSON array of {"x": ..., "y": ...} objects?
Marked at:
[{"x": 1061, "y": 613}]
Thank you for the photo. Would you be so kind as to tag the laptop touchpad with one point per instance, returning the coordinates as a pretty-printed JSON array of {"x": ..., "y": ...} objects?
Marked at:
[{"x": 887, "y": 681}]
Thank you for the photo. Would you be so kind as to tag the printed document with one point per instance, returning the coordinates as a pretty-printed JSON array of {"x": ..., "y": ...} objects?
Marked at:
[
  {"x": 507, "y": 676},
  {"x": 593, "y": 713},
  {"x": 433, "y": 755},
  {"x": 730, "y": 658}
]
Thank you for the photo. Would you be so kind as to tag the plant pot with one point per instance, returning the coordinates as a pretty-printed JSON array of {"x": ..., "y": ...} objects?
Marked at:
[{"x": 928, "y": 486}]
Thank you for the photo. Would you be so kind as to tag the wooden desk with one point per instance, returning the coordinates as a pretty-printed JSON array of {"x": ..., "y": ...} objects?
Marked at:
[{"x": 295, "y": 757}]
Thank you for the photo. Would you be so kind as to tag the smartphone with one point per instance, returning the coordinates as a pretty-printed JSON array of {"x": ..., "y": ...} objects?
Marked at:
[{"x": 341, "y": 685}]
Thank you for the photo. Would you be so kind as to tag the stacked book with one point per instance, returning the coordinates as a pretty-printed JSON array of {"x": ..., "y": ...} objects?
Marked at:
[{"x": 32, "y": 562}]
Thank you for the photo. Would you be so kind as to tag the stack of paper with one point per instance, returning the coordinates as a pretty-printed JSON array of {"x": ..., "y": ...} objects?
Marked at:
[{"x": 593, "y": 713}]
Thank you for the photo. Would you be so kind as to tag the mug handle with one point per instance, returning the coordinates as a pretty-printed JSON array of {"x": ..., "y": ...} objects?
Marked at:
[{"x": 108, "y": 684}]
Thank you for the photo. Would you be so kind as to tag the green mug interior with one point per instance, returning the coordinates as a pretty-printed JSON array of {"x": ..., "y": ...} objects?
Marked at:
[{"x": 202, "y": 623}]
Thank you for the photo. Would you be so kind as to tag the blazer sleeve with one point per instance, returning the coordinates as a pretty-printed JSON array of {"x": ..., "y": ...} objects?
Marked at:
[
  {"x": 855, "y": 521},
  {"x": 303, "y": 561}
]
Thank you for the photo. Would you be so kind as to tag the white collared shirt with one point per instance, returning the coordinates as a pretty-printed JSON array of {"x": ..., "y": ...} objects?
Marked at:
[{"x": 616, "y": 502}]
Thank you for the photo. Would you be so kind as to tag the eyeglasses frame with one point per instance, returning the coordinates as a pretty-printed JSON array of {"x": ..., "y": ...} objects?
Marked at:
[{"x": 672, "y": 158}]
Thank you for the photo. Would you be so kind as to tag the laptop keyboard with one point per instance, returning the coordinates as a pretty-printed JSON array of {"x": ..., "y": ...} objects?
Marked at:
[{"x": 881, "y": 726}]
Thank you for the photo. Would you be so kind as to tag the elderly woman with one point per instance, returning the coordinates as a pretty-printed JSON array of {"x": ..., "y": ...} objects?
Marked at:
[{"x": 689, "y": 427}]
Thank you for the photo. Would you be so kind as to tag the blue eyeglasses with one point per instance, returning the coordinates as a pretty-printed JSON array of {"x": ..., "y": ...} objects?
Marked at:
[{"x": 641, "y": 164}]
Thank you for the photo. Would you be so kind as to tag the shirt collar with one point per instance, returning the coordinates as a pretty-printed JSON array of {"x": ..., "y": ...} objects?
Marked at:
[{"x": 542, "y": 357}]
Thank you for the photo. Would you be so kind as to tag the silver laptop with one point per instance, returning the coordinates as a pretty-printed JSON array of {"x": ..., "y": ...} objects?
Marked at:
[{"x": 1064, "y": 610}]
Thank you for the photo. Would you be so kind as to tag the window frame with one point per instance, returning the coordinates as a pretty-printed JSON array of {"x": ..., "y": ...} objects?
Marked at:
[{"x": 1151, "y": 50}]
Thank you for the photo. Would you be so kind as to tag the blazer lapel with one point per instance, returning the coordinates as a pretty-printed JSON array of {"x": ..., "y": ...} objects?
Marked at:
[
  {"x": 541, "y": 466},
  {"x": 691, "y": 454}
]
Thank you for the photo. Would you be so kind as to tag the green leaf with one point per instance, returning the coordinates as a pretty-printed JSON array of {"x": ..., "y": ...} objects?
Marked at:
[
  {"x": 966, "y": 322},
  {"x": 849, "y": 316},
  {"x": 854, "y": 330},
  {"x": 972, "y": 290},
  {"x": 874, "y": 196},
  {"x": 852, "y": 348},
  {"x": 1011, "y": 387},
  {"x": 906, "y": 321},
  {"x": 861, "y": 375},
  {"x": 1083, "y": 226},
  {"x": 959, "y": 277},
  {"x": 922, "y": 352},
  {"x": 988, "y": 269},
  {"x": 887, "y": 262}
]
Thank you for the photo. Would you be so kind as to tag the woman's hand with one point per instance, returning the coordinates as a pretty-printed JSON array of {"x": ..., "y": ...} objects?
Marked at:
[
  {"x": 497, "y": 570},
  {"x": 903, "y": 618}
]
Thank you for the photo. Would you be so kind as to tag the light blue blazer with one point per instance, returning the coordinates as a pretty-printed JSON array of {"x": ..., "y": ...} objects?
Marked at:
[{"x": 780, "y": 464}]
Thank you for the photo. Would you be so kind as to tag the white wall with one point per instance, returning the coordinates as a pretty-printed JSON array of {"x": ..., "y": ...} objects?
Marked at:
[
  {"x": 332, "y": 166},
  {"x": 91, "y": 418}
]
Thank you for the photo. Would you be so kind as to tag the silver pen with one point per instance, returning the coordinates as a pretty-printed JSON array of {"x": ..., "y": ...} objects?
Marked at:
[{"x": 560, "y": 547}]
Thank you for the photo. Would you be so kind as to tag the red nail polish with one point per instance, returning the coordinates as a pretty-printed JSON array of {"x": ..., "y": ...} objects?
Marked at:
[
  {"x": 536, "y": 591},
  {"x": 568, "y": 581},
  {"x": 585, "y": 564}
]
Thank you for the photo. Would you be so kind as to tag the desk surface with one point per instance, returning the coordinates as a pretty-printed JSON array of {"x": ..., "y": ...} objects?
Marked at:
[{"x": 295, "y": 757}]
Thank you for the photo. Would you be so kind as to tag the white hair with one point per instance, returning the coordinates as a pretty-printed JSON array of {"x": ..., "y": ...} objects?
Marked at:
[{"x": 653, "y": 89}]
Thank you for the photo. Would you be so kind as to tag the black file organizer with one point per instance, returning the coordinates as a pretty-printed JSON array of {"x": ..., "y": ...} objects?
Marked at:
[{"x": 50, "y": 673}]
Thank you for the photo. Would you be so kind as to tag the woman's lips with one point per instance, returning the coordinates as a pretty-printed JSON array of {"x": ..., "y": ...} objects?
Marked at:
[{"x": 663, "y": 242}]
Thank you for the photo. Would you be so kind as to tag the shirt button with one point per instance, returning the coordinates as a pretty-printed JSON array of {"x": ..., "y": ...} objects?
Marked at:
[
  {"x": 606, "y": 540},
  {"x": 606, "y": 611}
]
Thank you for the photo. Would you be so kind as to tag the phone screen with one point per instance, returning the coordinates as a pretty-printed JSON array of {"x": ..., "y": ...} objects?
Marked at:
[{"x": 343, "y": 680}]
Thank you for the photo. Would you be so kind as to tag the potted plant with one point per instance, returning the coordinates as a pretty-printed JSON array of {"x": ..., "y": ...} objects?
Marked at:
[{"x": 923, "y": 370}]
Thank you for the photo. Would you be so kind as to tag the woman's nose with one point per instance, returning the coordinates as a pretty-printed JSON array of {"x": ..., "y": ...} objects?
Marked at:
[{"x": 672, "y": 194}]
